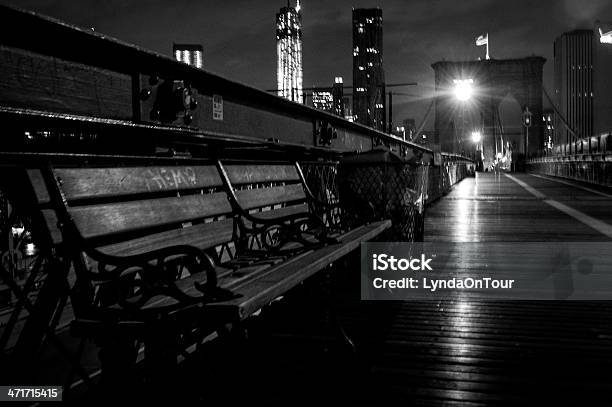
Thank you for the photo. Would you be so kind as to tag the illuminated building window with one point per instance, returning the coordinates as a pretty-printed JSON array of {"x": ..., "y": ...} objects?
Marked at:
[
  {"x": 323, "y": 100},
  {"x": 190, "y": 54},
  {"x": 360, "y": 89}
]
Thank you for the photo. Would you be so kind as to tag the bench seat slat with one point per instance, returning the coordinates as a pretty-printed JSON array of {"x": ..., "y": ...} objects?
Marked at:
[
  {"x": 227, "y": 278},
  {"x": 262, "y": 284},
  {"x": 277, "y": 213},
  {"x": 251, "y": 174},
  {"x": 287, "y": 210},
  {"x": 99, "y": 220},
  {"x": 280, "y": 279},
  {"x": 259, "y": 197}
]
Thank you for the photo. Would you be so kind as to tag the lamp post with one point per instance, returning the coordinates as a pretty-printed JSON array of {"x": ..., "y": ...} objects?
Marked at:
[
  {"x": 527, "y": 123},
  {"x": 476, "y": 139}
]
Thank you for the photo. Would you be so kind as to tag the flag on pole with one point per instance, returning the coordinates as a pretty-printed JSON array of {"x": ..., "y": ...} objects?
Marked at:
[
  {"x": 483, "y": 40},
  {"x": 605, "y": 37}
]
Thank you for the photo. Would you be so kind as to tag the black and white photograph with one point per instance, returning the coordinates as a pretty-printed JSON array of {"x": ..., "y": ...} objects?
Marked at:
[{"x": 306, "y": 202}]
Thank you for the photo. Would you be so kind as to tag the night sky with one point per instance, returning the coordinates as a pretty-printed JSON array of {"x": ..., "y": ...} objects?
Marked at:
[{"x": 239, "y": 36}]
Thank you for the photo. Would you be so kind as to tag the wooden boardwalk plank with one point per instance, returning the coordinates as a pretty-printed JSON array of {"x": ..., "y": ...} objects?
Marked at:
[
  {"x": 501, "y": 352},
  {"x": 450, "y": 352}
]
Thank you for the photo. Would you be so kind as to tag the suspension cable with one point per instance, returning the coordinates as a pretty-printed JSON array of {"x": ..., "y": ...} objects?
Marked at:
[{"x": 565, "y": 123}]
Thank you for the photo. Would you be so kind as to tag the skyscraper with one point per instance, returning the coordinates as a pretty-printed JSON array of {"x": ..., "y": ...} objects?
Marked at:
[
  {"x": 368, "y": 74},
  {"x": 348, "y": 109},
  {"x": 574, "y": 82},
  {"x": 323, "y": 100},
  {"x": 338, "y": 95},
  {"x": 582, "y": 85},
  {"x": 289, "y": 52},
  {"x": 190, "y": 54}
]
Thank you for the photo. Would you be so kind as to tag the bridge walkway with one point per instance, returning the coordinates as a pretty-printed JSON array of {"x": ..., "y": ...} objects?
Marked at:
[{"x": 447, "y": 352}]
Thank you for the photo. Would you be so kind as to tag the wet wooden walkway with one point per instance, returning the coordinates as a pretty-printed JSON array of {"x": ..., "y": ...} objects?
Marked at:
[
  {"x": 504, "y": 352},
  {"x": 438, "y": 353}
]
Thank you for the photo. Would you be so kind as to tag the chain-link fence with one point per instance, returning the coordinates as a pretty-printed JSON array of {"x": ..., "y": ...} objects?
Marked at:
[
  {"x": 321, "y": 179},
  {"x": 380, "y": 185},
  {"x": 442, "y": 178}
]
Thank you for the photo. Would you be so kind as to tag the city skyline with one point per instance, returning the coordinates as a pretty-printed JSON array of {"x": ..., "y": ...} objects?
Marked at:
[{"x": 416, "y": 35}]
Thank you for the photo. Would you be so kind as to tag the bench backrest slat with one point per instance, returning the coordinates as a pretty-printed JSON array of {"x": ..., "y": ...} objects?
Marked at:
[
  {"x": 257, "y": 173},
  {"x": 85, "y": 183},
  {"x": 260, "y": 197},
  {"x": 99, "y": 220},
  {"x": 203, "y": 235},
  {"x": 110, "y": 200}
]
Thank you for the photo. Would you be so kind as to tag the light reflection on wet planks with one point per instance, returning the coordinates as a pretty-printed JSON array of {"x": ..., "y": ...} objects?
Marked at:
[
  {"x": 470, "y": 352},
  {"x": 491, "y": 207},
  {"x": 451, "y": 352}
]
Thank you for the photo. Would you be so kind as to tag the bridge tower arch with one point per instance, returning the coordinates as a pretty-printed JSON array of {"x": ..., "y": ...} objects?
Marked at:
[{"x": 492, "y": 80}]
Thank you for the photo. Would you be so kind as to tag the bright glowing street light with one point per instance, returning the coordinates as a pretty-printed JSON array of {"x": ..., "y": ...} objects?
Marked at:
[
  {"x": 476, "y": 136},
  {"x": 464, "y": 89},
  {"x": 605, "y": 37}
]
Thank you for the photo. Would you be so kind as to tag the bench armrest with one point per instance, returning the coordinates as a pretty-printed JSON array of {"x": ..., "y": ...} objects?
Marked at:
[
  {"x": 275, "y": 234},
  {"x": 131, "y": 281}
]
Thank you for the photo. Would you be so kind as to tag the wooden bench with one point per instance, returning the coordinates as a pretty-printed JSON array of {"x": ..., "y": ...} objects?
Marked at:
[{"x": 163, "y": 252}]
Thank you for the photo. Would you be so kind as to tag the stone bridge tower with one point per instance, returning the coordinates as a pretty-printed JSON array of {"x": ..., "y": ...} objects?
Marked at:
[{"x": 493, "y": 80}]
